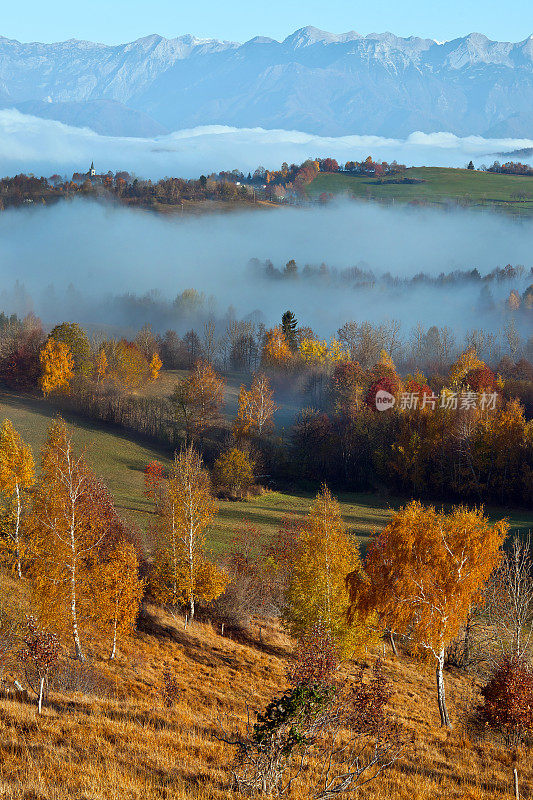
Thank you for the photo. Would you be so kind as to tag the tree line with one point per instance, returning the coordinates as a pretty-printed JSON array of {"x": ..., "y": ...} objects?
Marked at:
[{"x": 462, "y": 431}]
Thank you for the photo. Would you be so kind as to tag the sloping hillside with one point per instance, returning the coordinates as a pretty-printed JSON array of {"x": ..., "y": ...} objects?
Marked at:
[{"x": 128, "y": 745}]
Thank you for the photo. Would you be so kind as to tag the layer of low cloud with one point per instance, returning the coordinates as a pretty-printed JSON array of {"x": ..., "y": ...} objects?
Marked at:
[
  {"x": 30, "y": 144},
  {"x": 107, "y": 251}
]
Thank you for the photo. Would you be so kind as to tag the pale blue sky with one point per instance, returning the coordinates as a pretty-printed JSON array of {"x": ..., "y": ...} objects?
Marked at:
[{"x": 115, "y": 21}]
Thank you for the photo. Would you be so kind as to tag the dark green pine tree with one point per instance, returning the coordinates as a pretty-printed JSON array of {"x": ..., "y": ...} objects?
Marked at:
[{"x": 289, "y": 323}]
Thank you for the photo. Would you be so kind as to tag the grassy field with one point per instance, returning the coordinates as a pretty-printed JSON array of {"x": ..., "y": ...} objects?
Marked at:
[
  {"x": 115, "y": 738},
  {"x": 441, "y": 186},
  {"x": 124, "y": 743},
  {"x": 120, "y": 460}
]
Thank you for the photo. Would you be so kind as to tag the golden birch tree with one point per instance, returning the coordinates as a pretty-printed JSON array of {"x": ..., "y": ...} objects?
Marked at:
[
  {"x": 324, "y": 556},
  {"x": 423, "y": 573},
  {"x": 119, "y": 591},
  {"x": 183, "y": 574},
  {"x": 67, "y": 529},
  {"x": 17, "y": 475},
  {"x": 256, "y": 407}
]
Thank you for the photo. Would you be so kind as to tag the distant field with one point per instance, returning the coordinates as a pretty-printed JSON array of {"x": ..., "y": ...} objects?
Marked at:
[
  {"x": 441, "y": 186},
  {"x": 288, "y": 406},
  {"x": 120, "y": 460}
]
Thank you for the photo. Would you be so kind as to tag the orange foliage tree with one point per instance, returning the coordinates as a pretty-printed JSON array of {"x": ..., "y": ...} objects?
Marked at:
[
  {"x": 131, "y": 365},
  {"x": 119, "y": 586},
  {"x": 17, "y": 476},
  {"x": 276, "y": 350},
  {"x": 67, "y": 531},
  {"x": 423, "y": 572},
  {"x": 57, "y": 366}
]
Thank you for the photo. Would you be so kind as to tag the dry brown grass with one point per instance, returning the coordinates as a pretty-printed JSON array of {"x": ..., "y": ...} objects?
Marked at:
[{"x": 130, "y": 746}]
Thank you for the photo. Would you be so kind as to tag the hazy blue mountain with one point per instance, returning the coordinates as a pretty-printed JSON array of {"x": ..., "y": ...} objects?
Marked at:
[{"x": 313, "y": 81}]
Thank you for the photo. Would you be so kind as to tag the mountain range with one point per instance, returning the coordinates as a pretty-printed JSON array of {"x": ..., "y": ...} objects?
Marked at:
[{"x": 313, "y": 81}]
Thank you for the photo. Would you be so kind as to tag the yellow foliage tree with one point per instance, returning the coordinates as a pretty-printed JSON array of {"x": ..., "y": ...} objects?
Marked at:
[
  {"x": 57, "y": 366},
  {"x": 256, "y": 407},
  {"x": 155, "y": 366},
  {"x": 17, "y": 475},
  {"x": 324, "y": 556},
  {"x": 315, "y": 351},
  {"x": 119, "y": 591},
  {"x": 466, "y": 362},
  {"x": 101, "y": 366},
  {"x": 423, "y": 572},
  {"x": 182, "y": 572},
  {"x": 233, "y": 473},
  {"x": 276, "y": 351},
  {"x": 68, "y": 527}
]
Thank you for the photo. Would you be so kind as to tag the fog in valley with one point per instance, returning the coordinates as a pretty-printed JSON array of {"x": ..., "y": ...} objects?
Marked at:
[{"x": 108, "y": 266}]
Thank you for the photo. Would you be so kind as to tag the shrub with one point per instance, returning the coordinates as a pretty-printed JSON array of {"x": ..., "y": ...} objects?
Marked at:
[
  {"x": 233, "y": 473},
  {"x": 339, "y": 737},
  {"x": 508, "y": 701}
]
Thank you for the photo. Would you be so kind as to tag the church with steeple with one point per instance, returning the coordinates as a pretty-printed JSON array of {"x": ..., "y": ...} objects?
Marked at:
[{"x": 92, "y": 171}]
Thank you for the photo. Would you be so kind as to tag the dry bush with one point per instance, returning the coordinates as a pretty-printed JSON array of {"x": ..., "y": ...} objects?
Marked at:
[
  {"x": 76, "y": 677},
  {"x": 507, "y": 707},
  {"x": 338, "y": 737}
]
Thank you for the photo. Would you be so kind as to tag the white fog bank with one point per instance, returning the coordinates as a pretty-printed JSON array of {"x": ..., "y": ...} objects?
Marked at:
[
  {"x": 45, "y": 147},
  {"x": 106, "y": 251}
]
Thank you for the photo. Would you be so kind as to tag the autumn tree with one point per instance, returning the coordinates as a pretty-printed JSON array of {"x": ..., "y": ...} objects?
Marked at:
[
  {"x": 131, "y": 366},
  {"x": 71, "y": 334},
  {"x": 233, "y": 473},
  {"x": 101, "y": 366},
  {"x": 256, "y": 407},
  {"x": 182, "y": 572},
  {"x": 155, "y": 366},
  {"x": 120, "y": 590},
  {"x": 276, "y": 350},
  {"x": 423, "y": 573},
  {"x": 67, "y": 531},
  {"x": 39, "y": 654},
  {"x": 507, "y": 706},
  {"x": 324, "y": 556},
  {"x": 346, "y": 388},
  {"x": 198, "y": 398},
  {"x": 17, "y": 476},
  {"x": 465, "y": 364},
  {"x": 321, "y": 353},
  {"x": 57, "y": 366}
]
